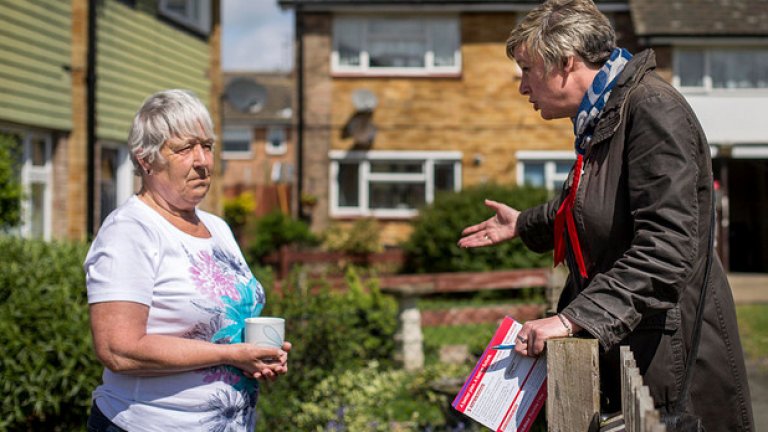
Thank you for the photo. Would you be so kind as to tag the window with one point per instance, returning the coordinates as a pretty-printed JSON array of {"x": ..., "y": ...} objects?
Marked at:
[
  {"x": 276, "y": 140},
  {"x": 547, "y": 169},
  {"x": 237, "y": 143},
  {"x": 396, "y": 45},
  {"x": 390, "y": 183},
  {"x": 721, "y": 68},
  {"x": 36, "y": 178},
  {"x": 115, "y": 177},
  {"x": 195, "y": 14}
]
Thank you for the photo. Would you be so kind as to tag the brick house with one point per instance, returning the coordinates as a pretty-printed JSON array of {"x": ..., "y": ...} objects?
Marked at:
[
  {"x": 74, "y": 74},
  {"x": 716, "y": 53},
  {"x": 398, "y": 100},
  {"x": 258, "y": 154}
]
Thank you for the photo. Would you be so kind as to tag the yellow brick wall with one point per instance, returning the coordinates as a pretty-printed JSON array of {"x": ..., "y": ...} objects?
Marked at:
[{"x": 480, "y": 113}]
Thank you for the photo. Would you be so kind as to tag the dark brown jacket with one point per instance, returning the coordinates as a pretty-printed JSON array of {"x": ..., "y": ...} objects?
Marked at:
[{"x": 643, "y": 212}]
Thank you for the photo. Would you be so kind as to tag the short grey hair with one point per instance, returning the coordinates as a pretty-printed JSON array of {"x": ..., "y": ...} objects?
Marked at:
[
  {"x": 164, "y": 115},
  {"x": 558, "y": 29}
]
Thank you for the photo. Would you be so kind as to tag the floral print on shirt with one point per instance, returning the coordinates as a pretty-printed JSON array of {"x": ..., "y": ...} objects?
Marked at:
[{"x": 231, "y": 294}]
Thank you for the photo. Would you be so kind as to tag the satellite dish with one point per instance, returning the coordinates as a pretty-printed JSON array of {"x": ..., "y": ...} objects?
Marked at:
[
  {"x": 246, "y": 95},
  {"x": 364, "y": 100}
]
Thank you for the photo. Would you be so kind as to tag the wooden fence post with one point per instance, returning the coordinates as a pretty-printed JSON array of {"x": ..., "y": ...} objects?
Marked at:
[{"x": 573, "y": 385}]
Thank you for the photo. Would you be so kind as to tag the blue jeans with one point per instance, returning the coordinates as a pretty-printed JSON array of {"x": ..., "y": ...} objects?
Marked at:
[{"x": 98, "y": 422}]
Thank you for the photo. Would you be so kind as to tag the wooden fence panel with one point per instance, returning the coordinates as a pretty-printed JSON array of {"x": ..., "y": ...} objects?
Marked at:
[{"x": 573, "y": 385}]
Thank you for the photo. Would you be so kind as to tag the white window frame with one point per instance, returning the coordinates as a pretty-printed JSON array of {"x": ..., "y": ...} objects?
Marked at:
[
  {"x": 550, "y": 160},
  {"x": 364, "y": 158},
  {"x": 201, "y": 24},
  {"x": 37, "y": 174},
  {"x": 278, "y": 150},
  {"x": 124, "y": 175},
  {"x": 364, "y": 68},
  {"x": 706, "y": 87},
  {"x": 235, "y": 154}
]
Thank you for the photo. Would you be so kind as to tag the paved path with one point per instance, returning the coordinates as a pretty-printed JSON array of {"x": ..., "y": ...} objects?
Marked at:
[{"x": 753, "y": 288}]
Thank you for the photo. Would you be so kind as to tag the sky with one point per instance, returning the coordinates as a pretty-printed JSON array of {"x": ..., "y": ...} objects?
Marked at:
[{"x": 256, "y": 36}]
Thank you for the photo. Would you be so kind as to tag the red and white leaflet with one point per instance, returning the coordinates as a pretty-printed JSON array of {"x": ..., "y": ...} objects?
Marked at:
[{"x": 505, "y": 391}]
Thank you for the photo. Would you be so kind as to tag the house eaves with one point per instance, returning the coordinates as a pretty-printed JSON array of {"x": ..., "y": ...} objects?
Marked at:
[
  {"x": 430, "y": 5},
  {"x": 674, "y": 19}
]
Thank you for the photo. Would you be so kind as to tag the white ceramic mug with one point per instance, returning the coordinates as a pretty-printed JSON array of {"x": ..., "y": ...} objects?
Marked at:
[{"x": 265, "y": 331}]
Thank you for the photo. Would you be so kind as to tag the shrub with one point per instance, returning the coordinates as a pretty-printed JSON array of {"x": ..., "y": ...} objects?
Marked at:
[
  {"x": 270, "y": 232},
  {"x": 331, "y": 331},
  {"x": 238, "y": 209},
  {"x": 10, "y": 186},
  {"x": 361, "y": 238},
  {"x": 432, "y": 245},
  {"x": 49, "y": 369}
]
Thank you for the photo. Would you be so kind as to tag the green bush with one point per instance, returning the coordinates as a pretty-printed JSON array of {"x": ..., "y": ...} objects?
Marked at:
[
  {"x": 10, "y": 187},
  {"x": 331, "y": 331},
  {"x": 48, "y": 370},
  {"x": 238, "y": 210},
  {"x": 432, "y": 247},
  {"x": 270, "y": 232},
  {"x": 361, "y": 238}
]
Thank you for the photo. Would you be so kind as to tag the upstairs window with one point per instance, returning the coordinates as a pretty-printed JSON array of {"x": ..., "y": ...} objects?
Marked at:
[
  {"x": 194, "y": 14},
  {"x": 236, "y": 143},
  {"x": 427, "y": 45},
  {"x": 276, "y": 140},
  {"x": 706, "y": 69}
]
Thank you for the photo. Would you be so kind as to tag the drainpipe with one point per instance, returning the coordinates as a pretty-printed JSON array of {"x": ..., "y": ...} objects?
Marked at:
[
  {"x": 300, "y": 108},
  {"x": 90, "y": 138}
]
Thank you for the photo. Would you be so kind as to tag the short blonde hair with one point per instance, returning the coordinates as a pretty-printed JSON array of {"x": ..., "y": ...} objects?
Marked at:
[{"x": 558, "y": 29}]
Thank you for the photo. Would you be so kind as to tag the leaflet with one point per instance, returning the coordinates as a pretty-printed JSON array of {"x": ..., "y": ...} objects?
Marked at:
[{"x": 506, "y": 390}]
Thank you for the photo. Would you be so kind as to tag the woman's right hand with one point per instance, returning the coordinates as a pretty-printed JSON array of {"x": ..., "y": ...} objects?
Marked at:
[
  {"x": 498, "y": 228},
  {"x": 261, "y": 362}
]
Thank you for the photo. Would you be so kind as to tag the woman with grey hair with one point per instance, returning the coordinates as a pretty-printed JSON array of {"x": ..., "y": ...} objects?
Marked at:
[
  {"x": 634, "y": 222},
  {"x": 169, "y": 290}
]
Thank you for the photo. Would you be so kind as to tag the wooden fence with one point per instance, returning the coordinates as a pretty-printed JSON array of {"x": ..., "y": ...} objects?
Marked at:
[
  {"x": 409, "y": 288},
  {"x": 573, "y": 391}
]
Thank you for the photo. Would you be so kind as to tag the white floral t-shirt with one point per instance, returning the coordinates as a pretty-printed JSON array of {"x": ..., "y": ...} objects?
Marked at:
[{"x": 195, "y": 288}]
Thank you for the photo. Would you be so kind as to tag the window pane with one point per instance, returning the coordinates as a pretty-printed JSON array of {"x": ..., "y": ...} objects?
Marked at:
[
  {"x": 739, "y": 68},
  {"x": 533, "y": 174},
  {"x": 396, "y": 43},
  {"x": 237, "y": 140},
  {"x": 348, "y": 41},
  {"x": 276, "y": 137},
  {"x": 690, "y": 68},
  {"x": 444, "y": 42},
  {"x": 349, "y": 185},
  {"x": 386, "y": 195},
  {"x": 108, "y": 182},
  {"x": 37, "y": 210},
  {"x": 37, "y": 151},
  {"x": 444, "y": 177},
  {"x": 409, "y": 167}
]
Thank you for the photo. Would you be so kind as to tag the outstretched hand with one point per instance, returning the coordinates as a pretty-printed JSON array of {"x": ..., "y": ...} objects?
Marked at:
[{"x": 498, "y": 228}]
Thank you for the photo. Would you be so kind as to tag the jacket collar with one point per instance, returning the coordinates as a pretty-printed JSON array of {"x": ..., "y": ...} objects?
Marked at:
[{"x": 640, "y": 64}]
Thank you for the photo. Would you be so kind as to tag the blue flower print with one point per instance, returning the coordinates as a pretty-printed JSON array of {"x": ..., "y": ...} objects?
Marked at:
[{"x": 237, "y": 310}]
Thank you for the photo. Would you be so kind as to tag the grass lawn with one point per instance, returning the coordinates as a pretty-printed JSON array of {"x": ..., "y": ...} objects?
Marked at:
[{"x": 753, "y": 329}]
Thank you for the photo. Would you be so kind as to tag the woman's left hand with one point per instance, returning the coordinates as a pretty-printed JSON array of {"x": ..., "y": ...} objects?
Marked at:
[
  {"x": 532, "y": 337},
  {"x": 272, "y": 372}
]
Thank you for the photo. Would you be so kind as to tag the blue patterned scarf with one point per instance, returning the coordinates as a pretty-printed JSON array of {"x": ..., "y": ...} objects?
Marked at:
[{"x": 597, "y": 95}]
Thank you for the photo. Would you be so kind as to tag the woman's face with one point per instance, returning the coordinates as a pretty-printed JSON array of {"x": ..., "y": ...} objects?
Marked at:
[
  {"x": 185, "y": 177},
  {"x": 551, "y": 94}
]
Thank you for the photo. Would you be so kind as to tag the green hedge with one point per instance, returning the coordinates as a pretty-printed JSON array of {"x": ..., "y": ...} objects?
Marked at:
[
  {"x": 432, "y": 247},
  {"x": 48, "y": 369}
]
